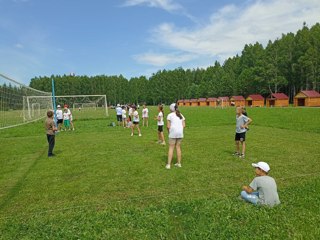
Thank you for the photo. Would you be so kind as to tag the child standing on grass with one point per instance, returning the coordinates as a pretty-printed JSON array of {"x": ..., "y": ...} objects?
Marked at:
[
  {"x": 145, "y": 116},
  {"x": 136, "y": 120},
  {"x": 124, "y": 116},
  {"x": 50, "y": 130},
  {"x": 175, "y": 126},
  {"x": 160, "y": 125},
  {"x": 263, "y": 189},
  {"x": 59, "y": 115},
  {"x": 66, "y": 119},
  {"x": 242, "y": 123}
]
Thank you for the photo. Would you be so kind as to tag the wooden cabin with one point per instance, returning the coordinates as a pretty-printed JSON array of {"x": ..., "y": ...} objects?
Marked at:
[
  {"x": 255, "y": 100},
  {"x": 277, "y": 100},
  {"x": 212, "y": 102},
  {"x": 223, "y": 101},
  {"x": 193, "y": 102},
  {"x": 180, "y": 103},
  {"x": 202, "y": 102},
  {"x": 237, "y": 101},
  {"x": 310, "y": 98},
  {"x": 186, "y": 102}
]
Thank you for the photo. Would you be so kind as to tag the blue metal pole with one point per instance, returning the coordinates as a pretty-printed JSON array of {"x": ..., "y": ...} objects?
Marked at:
[{"x": 54, "y": 104}]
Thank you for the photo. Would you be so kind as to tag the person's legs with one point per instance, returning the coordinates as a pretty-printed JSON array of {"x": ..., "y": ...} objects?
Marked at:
[
  {"x": 147, "y": 122},
  {"x": 179, "y": 155},
  {"x": 162, "y": 137},
  {"x": 251, "y": 198},
  {"x": 51, "y": 142},
  {"x": 139, "y": 130},
  {"x": 238, "y": 147},
  {"x": 170, "y": 152},
  {"x": 132, "y": 128},
  {"x": 243, "y": 147}
]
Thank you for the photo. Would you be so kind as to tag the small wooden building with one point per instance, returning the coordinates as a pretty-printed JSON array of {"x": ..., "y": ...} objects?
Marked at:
[
  {"x": 223, "y": 101},
  {"x": 255, "y": 100},
  {"x": 180, "y": 103},
  {"x": 212, "y": 102},
  {"x": 277, "y": 100},
  {"x": 202, "y": 102},
  {"x": 237, "y": 101},
  {"x": 186, "y": 102},
  {"x": 310, "y": 98},
  {"x": 194, "y": 102}
]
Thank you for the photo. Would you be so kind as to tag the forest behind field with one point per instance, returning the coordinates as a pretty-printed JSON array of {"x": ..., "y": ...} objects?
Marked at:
[{"x": 288, "y": 64}]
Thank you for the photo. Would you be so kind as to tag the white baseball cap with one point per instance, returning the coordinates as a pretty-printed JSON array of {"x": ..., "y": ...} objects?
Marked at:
[
  {"x": 262, "y": 165},
  {"x": 118, "y": 105},
  {"x": 58, "y": 106},
  {"x": 172, "y": 107}
]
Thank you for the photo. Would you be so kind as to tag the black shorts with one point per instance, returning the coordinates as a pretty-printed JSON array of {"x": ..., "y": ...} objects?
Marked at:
[
  {"x": 135, "y": 123},
  {"x": 119, "y": 118},
  {"x": 160, "y": 128},
  {"x": 60, "y": 121},
  {"x": 240, "y": 137}
]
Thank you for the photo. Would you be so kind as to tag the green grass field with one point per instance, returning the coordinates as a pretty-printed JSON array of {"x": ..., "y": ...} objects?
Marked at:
[{"x": 104, "y": 184}]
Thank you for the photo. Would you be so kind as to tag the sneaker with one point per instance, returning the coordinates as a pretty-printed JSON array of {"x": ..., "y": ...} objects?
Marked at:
[
  {"x": 140, "y": 135},
  {"x": 159, "y": 141},
  {"x": 72, "y": 129},
  {"x": 51, "y": 155},
  {"x": 241, "y": 156},
  {"x": 236, "y": 154},
  {"x": 178, "y": 165},
  {"x": 168, "y": 166},
  {"x": 163, "y": 143},
  {"x": 131, "y": 134}
]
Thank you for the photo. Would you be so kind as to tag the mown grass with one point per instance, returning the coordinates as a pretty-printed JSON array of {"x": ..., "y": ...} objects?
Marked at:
[{"x": 104, "y": 184}]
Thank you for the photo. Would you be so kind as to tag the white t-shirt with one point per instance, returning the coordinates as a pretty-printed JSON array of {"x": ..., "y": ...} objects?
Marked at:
[
  {"x": 241, "y": 120},
  {"x": 145, "y": 113},
  {"x": 160, "y": 119},
  {"x": 130, "y": 111},
  {"x": 119, "y": 110},
  {"x": 176, "y": 125},
  {"x": 66, "y": 116},
  {"x": 124, "y": 113},
  {"x": 59, "y": 114},
  {"x": 136, "y": 116}
]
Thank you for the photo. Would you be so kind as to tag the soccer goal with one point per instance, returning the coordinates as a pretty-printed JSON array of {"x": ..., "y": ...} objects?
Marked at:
[
  {"x": 85, "y": 106},
  {"x": 16, "y": 106}
]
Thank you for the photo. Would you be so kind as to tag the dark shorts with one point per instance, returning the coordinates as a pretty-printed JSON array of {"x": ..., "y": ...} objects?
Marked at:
[
  {"x": 60, "y": 121},
  {"x": 119, "y": 118},
  {"x": 135, "y": 123},
  {"x": 160, "y": 128},
  {"x": 240, "y": 137}
]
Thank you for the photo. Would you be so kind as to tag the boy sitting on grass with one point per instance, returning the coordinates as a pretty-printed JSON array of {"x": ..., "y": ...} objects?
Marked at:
[{"x": 263, "y": 189}]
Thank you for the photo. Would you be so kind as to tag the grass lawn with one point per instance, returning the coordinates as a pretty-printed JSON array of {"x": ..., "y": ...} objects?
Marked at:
[{"x": 104, "y": 184}]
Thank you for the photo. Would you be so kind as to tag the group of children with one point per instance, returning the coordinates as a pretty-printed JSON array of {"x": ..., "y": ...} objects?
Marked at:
[
  {"x": 261, "y": 191},
  {"x": 64, "y": 118}
]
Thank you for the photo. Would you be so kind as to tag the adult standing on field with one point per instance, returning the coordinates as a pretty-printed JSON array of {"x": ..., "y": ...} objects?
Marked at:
[
  {"x": 119, "y": 114},
  {"x": 175, "y": 126},
  {"x": 50, "y": 128}
]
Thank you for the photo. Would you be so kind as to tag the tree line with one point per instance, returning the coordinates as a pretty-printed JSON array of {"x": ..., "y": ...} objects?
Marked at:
[{"x": 288, "y": 64}]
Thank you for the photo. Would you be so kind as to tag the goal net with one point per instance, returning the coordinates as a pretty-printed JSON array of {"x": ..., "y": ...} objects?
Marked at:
[
  {"x": 84, "y": 106},
  {"x": 16, "y": 106}
]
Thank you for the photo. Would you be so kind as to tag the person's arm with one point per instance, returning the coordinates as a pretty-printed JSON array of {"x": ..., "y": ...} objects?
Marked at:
[
  {"x": 168, "y": 125},
  {"x": 183, "y": 123},
  {"x": 247, "y": 189},
  {"x": 247, "y": 123}
]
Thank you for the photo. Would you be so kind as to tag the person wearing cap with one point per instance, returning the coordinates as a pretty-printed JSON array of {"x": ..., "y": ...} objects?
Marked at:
[
  {"x": 263, "y": 189},
  {"x": 175, "y": 126},
  {"x": 242, "y": 123},
  {"x": 119, "y": 114},
  {"x": 59, "y": 115}
]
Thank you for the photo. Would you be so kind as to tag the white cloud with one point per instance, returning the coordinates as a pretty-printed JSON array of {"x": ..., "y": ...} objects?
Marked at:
[
  {"x": 18, "y": 45},
  {"x": 231, "y": 27},
  {"x": 161, "y": 60},
  {"x": 167, "y": 5}
]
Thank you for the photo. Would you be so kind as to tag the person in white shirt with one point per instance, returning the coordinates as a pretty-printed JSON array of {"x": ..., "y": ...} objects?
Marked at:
[
  {"x": 160, "y": 124},
  {"x": 119, "y": 114},
  {"x": 66, "y": 119},
  {"x": 59, "y": 115},
  {"x": 145, "y": 116},
  {"x": 135, "y": 121},
  {"x": 175, "y": 125},
  {"x": 124, "y": 116}
]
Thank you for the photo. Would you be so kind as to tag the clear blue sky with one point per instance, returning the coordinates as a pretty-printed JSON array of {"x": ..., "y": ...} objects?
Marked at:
[{"x": 137, "y": 37}]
